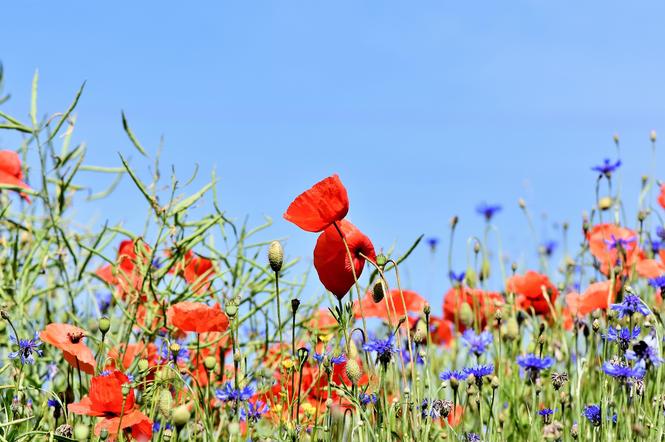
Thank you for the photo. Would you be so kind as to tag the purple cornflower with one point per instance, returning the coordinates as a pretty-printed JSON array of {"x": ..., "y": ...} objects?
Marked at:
[
  {"x": 384, "y": 349},
  {"x": 548, "y": 247},
  {"x": 488, "y": 210},
  {"x": 457, "y": 277},
  {"x": 254, "y": 411},
  {"x": 622, "y": 336},
  {"x": 228, "y": 393},
  {"x": 26, "y": 348},
  {"x": 658, "y": 283},
  {"x": 532, "y": 364},
  {"x": 631, "y": 304},
  {"x": 546, "y": 414},
  {"x": 156, "y": 426},
  {"x": 655, "y": 245},
  {"x": 645, "y": 351},
  {"x": 607, "y": 167},
  {"x": 366, "y": 399},
  {"x": 452, "y": 374},
  {"x": 479, "y": 371},
  {"x": 620, "y": 243},
  {"x": 593, "y": 414},
  {"x": 472, "y": 437},
  {"x": 334, "y": 360},
  {"x": 432, "y": 242},
  {"x": 477, "y": 344},
  {"x": 53, "y": 403},
  {"x": 622, "y": 371}
]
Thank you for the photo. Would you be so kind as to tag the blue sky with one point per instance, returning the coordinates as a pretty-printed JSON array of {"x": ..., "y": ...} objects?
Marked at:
[{"x": 424, "y": 109}]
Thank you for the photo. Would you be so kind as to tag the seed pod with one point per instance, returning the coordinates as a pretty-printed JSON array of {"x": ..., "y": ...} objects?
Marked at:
[
  {"x": 378, "y": 291},
  {"x": 275, "y": 256},
  {"x": 104, "y": 324},
  {"x": 165, "y": 403},
  {"x": 209, "y": 363},
  {"x": 180, "y": 416}
]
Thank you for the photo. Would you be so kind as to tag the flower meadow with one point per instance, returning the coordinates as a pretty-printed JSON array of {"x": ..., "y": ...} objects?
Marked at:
[{"x": 193, "y": 329}]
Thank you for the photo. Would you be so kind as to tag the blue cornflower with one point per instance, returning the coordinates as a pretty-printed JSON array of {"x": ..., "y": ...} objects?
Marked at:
[
  {"x": 334, "y": 360},
  {"x": 660, "y": 231},
  {"x": 548, "y": 247},
  {"x": 646, "y": 351},
  {"x": 658, "y": 283},
  {"x": 488, "y": 210},
  {"x": 384, "y": 349},
  {"x": 166, "y": 355},
  {"x": 655, "y": 245},
  {"x": 592, "y": 413},
  {"x": 622, "y": 371},
  {"x": 546, "y": 414},
  {"x": 607, "y": 167},
  {"x": 472, "y": 437},
  {"x": 53, "y": 403},
  {"x": 479, "y": 371},
  {"x": 457, "y": 277},
  {"x": 432, "y": 242},
  {"x": 631, "y": 304},
  {"x": 26, "y": 348},
  {"x": 366, "y": 399},
  {"x": 156, "y": 426},
  {"x": 622, "y": 336},
  {"x": 228, "y": 393},
  {"x": 104, "y": 301},
  {"x": 452, "y": 374},
  {"x": 620, "y": 243},
  {"x": 477, "y": 344},
  {"x": 532, "y": 364},
  {"x": 254, "y": 411}
]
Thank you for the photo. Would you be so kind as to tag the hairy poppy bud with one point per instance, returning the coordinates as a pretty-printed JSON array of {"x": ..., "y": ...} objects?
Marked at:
[
  {"x": 275, "y": 256},
  {"x": 378, "y": 291},
  {"x": 420, "y": 335},
  {"x": 605, "y": 203},
  {"x": 427, "y": 309},
  {"x": 209, "y": 363},
  {"x": 104, "y": 324},
  {"x": 512, "y": 330},
  {"x": 476, "y": 247},
  {"x": 595, "y": 325},
  {"x": 615, "y": 138},
  {"x": 81, "y": 432},
  {"x": 165, "y": 402},
  {"x": 353, "y": 371},
  {"x": 180, "y": 416},
  {"x": 143, "y": 365},
  {"x": 466, "y": 314}
]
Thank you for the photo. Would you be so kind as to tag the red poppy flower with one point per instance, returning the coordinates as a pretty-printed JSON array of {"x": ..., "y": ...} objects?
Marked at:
[
  {"x": 197, "y": 317},
  {"x": 596, "y": 297},
  {"x": 529, "y": 291},
  {"x": 441, "y": 331},
  {"x": 11, "y": 172},
  {"x": 196, "y": 270},
  {"x": 661, "y": 196},
  {"x": 413, "y": 301},
  {"x": 126, "y": 274},
  {"x": 317, "y": 208},
  {"x": 133, "y": 352},
  {"x": 610, "y": 244},
  {"x": 105, "y": 400},
  {"x": 69, "y": 339},
  {"x": 483, "y": 304},
  {"x": 331, "y": 259}
]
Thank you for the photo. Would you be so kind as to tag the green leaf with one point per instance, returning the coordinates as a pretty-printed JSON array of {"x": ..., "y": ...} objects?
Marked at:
[
  {"x": 33, "y": 99},
  {"x": 131, "y": 136},
  {"x": 67, "y": 113}
]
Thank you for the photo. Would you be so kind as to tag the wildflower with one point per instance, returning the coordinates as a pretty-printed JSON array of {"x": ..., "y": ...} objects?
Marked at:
[
  {"x": 196, "y": 270},
  {"x": 622, "y": 336},
  {"x": 156, "y": 426},
  {"x": 197, "y": 317},
  {"x": 320, "y": 206},
  {"x": 477, "y": 343},
  {"x": 595, "y": 297},
  {"x": 229, "y": 393},
  {"x": 488, "y": 210},
  {"x": 396, "y": 301},
  {"x": 658, "y": 283},
  {"x": 331, "y": 258},
  {"x": 532, "y": 364},
  {"x": 457, "y": 277},
  {"x": 319, "y": 357},
  {"x": 546, "y": 414},
  {"x": 548, "y": 247},
  {"x": 623, "y": 244},
  {"x": 366, "y": 399},
  {"x": 383, "y": 348},
  {"x": 168, "y": 352},
  {"x": 452, "y": 374},
  {"x": 69, "y": 339},
  {"x": 559, "y": 379},
  {"x": 127, "y": 273},
  {"x": 254, "y": 411},
  {"x": 11, "y": 171},
  {"x": 622, "y": 371},
  {"x": 593, "y": 414},
  {"x": 598, "y": 238},
  {"x": 607, "y": 168},
  {"x": 645, "y": 351},
  {"x": 104, "y": 301},
  {"x": 406, "y": 355},
  {"x": 530, "y": 289},
  {"x": 631, "y": 304},
  {"x": 432, "y": 242},
  {"x": 479, "y": 372},
  {"x": 472, "y": 437},
  {"x": 26, "y": 349},
  {"x": 482, "y": 305},
  {"x": 119, "y": 411}
]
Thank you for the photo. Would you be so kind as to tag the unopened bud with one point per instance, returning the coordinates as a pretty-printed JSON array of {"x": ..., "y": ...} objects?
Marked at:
[
  {"x": 231, "y": 309},
  {"x": 521, "y": 203},
  {"x": 209, "y": 363},
  {"x": 652, "y": 136},
  {"x": 143, "y": 365},
  {"x": 381, "y": 260},
  {"x": 605, "y": 203},
  {"x": 180, "y": 416},
  {"x": 353, "y": 371},
  {"x": 126, "y": 388},
  {"x": 81, "y": 432},
  {"x": 295, "y": 303},
  {"x": 378, "y": 291},
  {"x": 275, "y": 256},
  {"x": 104, "y": 324},
  {"x": 453, "y": 221}
]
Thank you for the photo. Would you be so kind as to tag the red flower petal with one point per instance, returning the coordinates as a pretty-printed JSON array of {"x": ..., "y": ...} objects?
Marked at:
[
  {"x": 197, "y": 317},
  {"x": 317, "y": 208}
]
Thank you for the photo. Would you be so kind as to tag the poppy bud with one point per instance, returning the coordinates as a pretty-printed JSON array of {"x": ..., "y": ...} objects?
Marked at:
[
  {"x": 485, "y": 270},
  {"x": 378, "y": 292},
  {"x": 81, "y": 432},
  {"x": 470, "y": 277},
  {"x": 165, "y": 402},
  {"x": 353, "y": 371},
  {"x": 420, "y": 335},
  {"x": 512, "y": 329},
  {"x": 143, "y": 365},
  {"x": 605, "y": 203},
  {"x": 180, "y": 416},
  {"x": 521, "y": 203},
  {"x": 642, "y": 215},
  {"x": 295, "y": 303},
  {"x": 125, "y": 389},
  {"x": 453, "y": 221},
  {"x": 104, "y": 324},
  {"x": 104, "y": 434},
  {"x": 476, "y": 247},
  {"x": 466, "y": 314},
  {"x": 275, "y": 256},
  {"x": 231, "y": 309},
  {"x": 615, "y": 138},
  {"x": 381, "y": 260},
  {"x": 209, "y": 363},
  {"x": 427, "y": 309},
  {"x": 652, "y": 136},
  {"x": 495, "y": 382}
]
